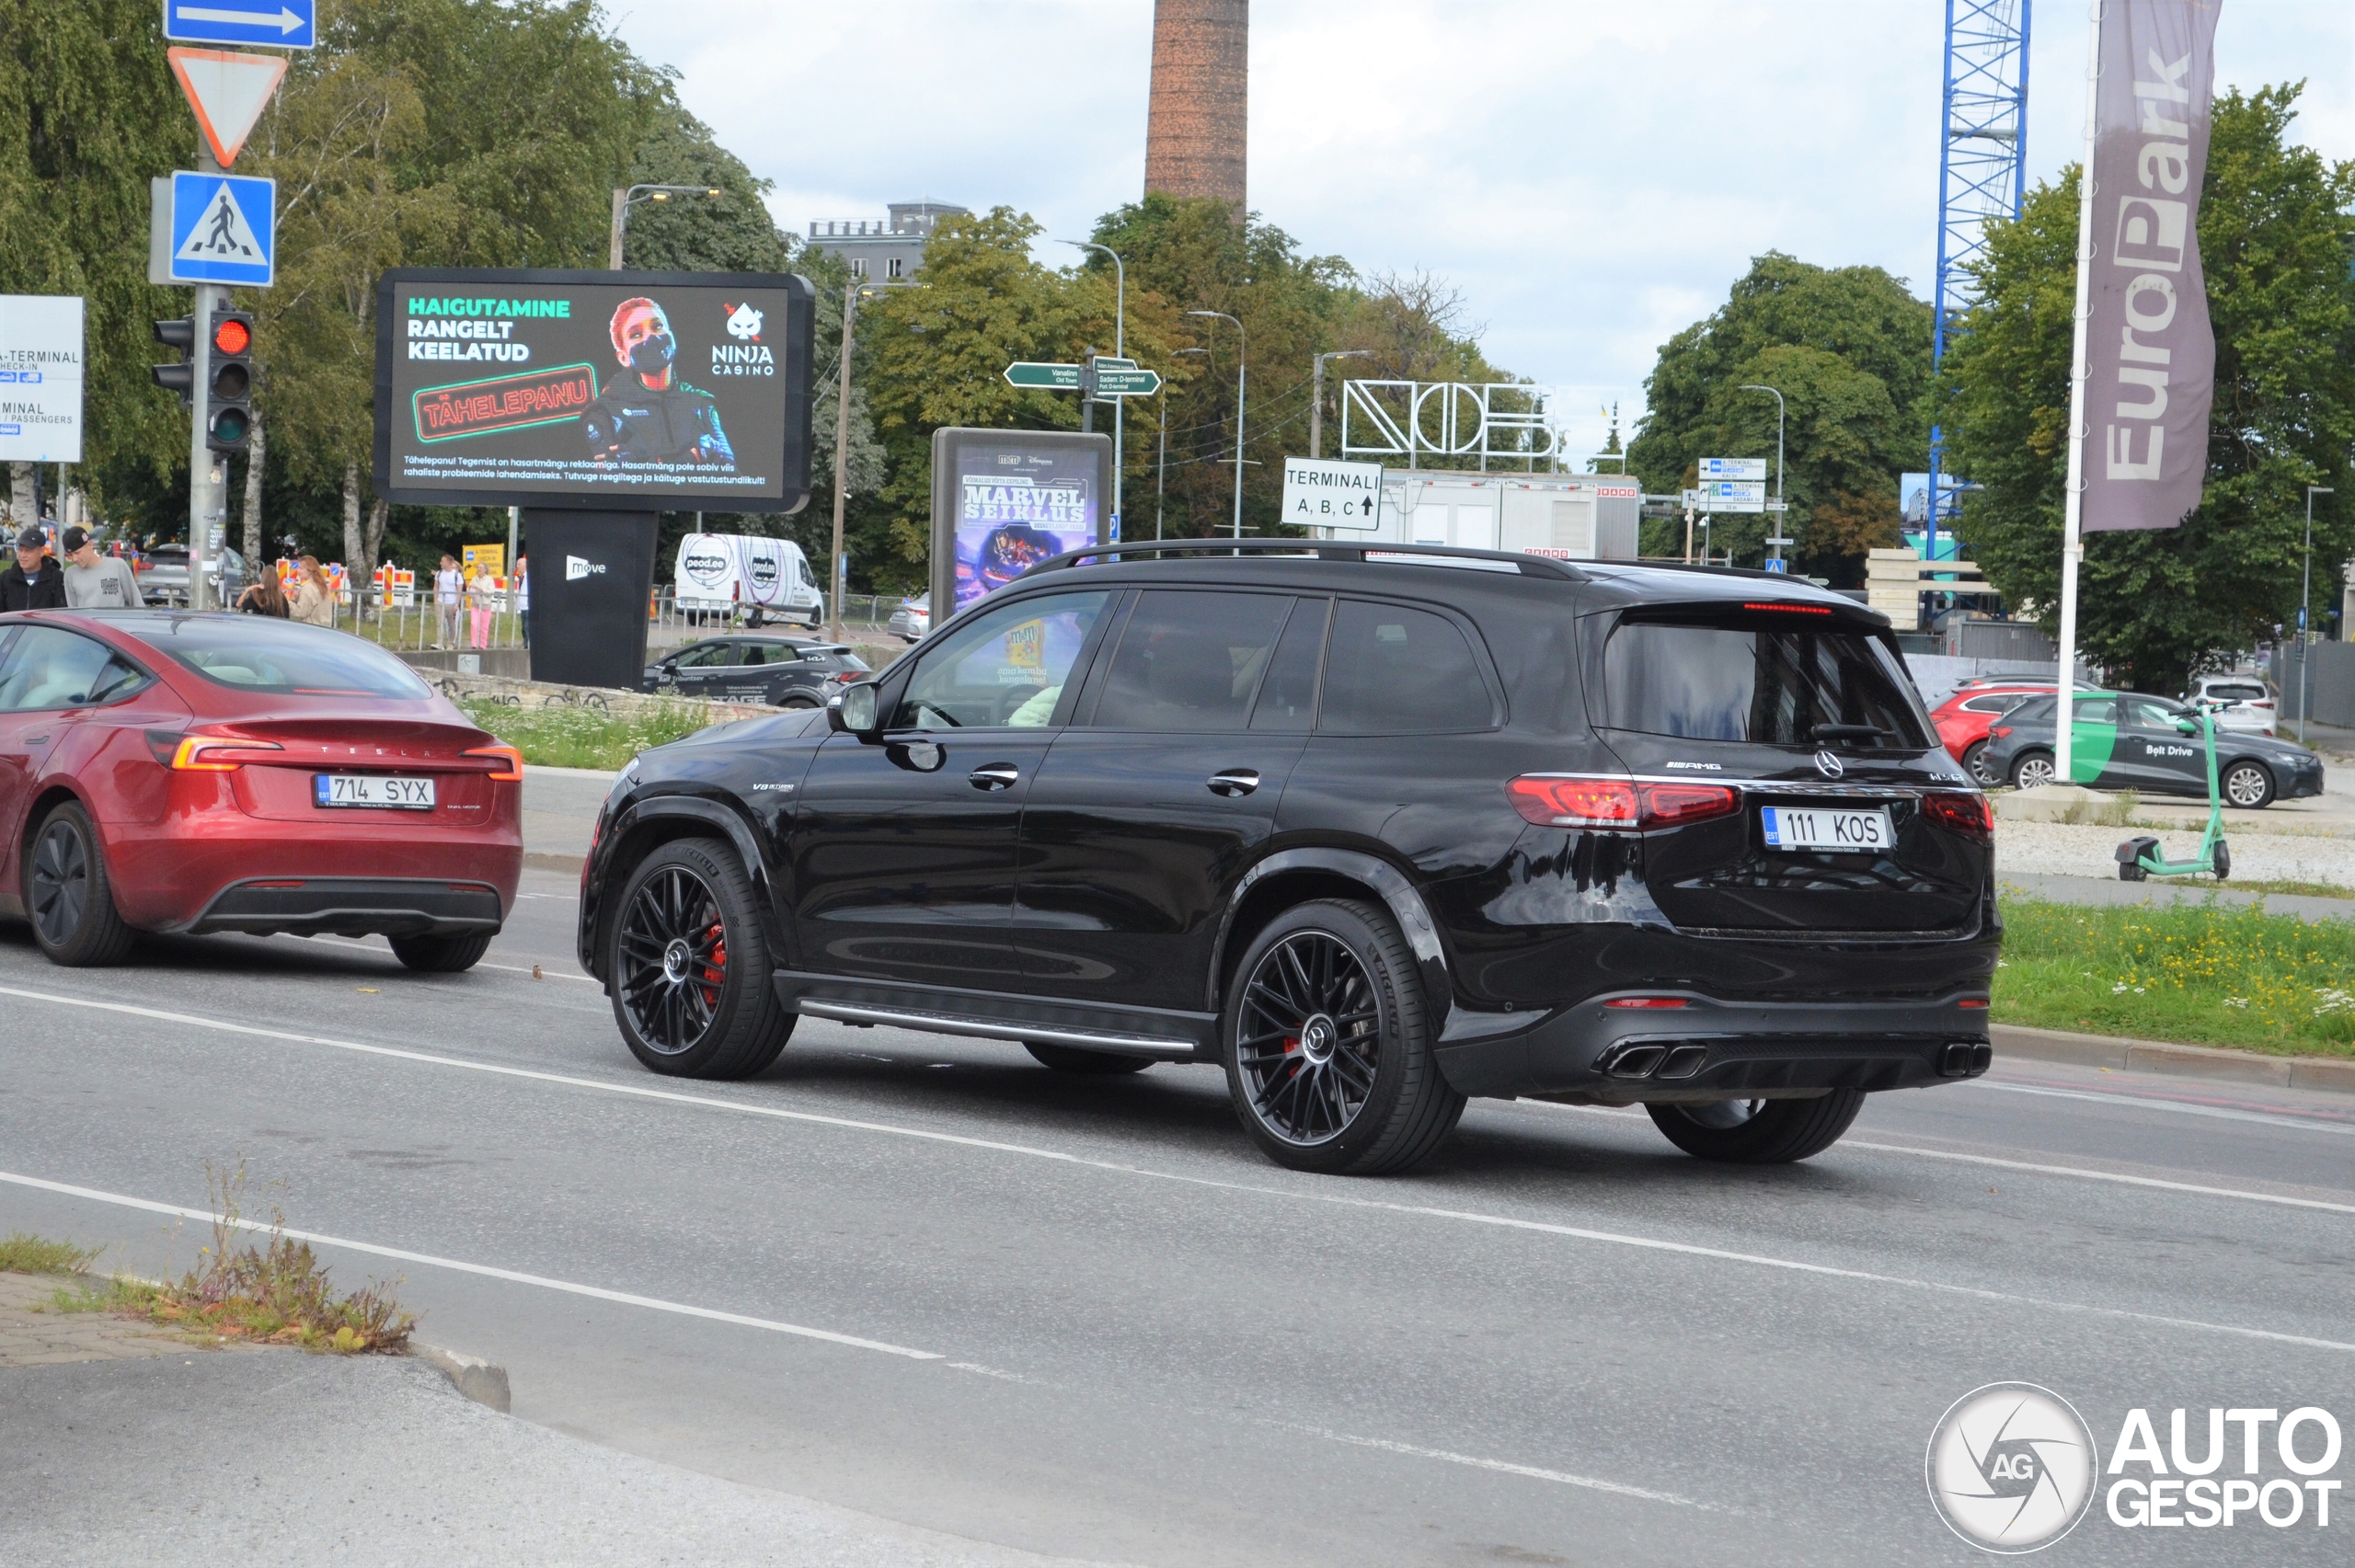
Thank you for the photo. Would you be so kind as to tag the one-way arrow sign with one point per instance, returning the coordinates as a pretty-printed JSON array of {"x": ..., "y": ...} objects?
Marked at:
[{"x": 285, "y": 24}]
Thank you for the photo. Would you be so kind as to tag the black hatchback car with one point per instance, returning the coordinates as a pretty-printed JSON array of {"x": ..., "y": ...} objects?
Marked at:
[
  {"x": 2130, "y": 741},
  {"x": 1372, "y": 832},
  {"x": 786, "y": 673}
]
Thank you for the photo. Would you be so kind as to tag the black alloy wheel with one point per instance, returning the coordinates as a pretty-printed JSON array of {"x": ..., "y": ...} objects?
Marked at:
[
  {"x": 1328, "y": 1056},
  {"x": 68, "y": 894},
  {"x": 1759, "y": 1132},
  {"x": 689, "y": 967}
]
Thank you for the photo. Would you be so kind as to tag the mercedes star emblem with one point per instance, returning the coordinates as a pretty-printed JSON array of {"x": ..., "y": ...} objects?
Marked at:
[{"x": 1830, "y": 765}]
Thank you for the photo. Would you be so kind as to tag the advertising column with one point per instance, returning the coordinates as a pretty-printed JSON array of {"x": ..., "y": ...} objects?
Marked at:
[{"x": 594, "y": 401}]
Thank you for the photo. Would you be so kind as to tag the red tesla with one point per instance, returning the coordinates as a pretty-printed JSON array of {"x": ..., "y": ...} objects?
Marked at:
[{"x": 168, "y": 772}]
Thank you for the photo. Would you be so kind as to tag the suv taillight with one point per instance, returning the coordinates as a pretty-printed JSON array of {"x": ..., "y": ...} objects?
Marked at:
[
  {"x": 1566, "y": 800},
  {"x": 1972, "y": 815}
]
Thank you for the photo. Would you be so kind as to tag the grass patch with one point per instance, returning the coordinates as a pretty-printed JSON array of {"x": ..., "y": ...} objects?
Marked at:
[
  {"x": 24, "y": 1253},
  {"x": 2210, "y": 973},
  {"x": 583, "y": 738},
  {"x": 2301, "y": 889}
]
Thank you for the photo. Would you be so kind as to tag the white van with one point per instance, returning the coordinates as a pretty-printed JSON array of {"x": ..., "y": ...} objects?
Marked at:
[{"x": 719, "y": 573}]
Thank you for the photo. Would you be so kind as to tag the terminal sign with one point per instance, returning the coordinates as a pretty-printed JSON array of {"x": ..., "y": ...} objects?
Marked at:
[
  {"x": 1332, "y": 494},
  {"x": 1732, "y": 468}
]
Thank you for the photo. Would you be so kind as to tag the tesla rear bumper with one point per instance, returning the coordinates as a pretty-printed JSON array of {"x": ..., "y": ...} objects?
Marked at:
[
  {"x": 1714, "y": 1050},
  {"x": 350, "y": 906}
]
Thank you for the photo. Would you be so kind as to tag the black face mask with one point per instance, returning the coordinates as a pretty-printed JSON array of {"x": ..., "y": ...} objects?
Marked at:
[{"x": 652, "y": 354}]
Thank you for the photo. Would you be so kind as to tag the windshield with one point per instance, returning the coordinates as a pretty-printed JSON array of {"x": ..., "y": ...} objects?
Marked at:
[
  {"x": 282, "y": 658},
  {"x": 1757, "y": 677}
]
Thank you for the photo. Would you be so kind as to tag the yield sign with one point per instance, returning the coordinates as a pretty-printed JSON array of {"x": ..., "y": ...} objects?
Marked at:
[{"x": 228, "y": 92}]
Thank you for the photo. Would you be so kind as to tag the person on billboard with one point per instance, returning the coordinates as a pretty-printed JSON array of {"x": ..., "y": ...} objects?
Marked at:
[
  {"x": 650, "y": 415},
  {"x": 1010, "y": 550}
]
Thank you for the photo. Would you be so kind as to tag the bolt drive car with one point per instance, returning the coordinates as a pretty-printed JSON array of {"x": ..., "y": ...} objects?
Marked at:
[
  {"x": 2127, "y": 740},
  {"x": 1372, "y": 829}
]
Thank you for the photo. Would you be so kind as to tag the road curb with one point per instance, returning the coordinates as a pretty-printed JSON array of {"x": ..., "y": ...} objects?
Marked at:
[
  {"x": 478, "y": 1379},
  {"x": 2332, "y": 1074},
  {"x": 543, "y": 860}
]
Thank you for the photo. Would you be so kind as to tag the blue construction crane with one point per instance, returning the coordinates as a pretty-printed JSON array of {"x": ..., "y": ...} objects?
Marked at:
[{"x": 1983, "y": 172}]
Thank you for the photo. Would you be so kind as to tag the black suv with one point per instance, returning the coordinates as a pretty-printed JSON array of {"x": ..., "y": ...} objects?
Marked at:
[
  {"x": 786, "y": 673},
  {"x": 1376, "y": 829}
]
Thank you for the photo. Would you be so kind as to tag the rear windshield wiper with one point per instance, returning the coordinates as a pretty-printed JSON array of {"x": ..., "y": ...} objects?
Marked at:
[{"x": 1849, "y": 732}]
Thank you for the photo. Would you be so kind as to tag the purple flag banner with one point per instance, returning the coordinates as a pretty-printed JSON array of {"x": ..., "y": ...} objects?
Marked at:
[{"x": 2151, "y": 358}]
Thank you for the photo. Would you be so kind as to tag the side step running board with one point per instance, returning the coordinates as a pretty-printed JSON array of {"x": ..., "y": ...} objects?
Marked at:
[{"x": 1160, "y": 1046}]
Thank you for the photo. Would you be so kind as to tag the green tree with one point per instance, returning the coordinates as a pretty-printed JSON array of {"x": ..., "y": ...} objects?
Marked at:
[
  {"x": 2156, "y": 606},
  {"x": 1849, "y": 350}
]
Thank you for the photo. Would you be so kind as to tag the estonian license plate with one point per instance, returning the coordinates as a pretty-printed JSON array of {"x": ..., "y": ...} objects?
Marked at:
[
  {"x": 378, "y": 790},
  {"x": 1816, "y": 827}
]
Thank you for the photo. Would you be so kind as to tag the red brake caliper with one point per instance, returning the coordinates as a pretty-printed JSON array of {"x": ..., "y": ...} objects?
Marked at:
[{"x": 715, "y": 972}]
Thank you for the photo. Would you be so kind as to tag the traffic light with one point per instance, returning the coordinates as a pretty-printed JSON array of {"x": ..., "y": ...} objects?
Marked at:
[
  {"x": 179, "y": 379},
  {"x": 229, "y": 412}
]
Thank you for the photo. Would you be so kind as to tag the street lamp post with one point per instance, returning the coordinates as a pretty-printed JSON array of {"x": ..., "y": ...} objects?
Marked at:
[
  {"x": 2305, "y": 608},
  {"x": 625, "y": 200},
  {"x": 1242, "y": 355},
  {"x": 1317, "y": 404},
  {"x": 1775, "y": 539},
  {"x": 1119, "y": 349}
]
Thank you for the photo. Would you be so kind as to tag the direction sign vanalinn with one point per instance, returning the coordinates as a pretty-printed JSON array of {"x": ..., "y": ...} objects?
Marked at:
[{"x": 1055, "y": 378}]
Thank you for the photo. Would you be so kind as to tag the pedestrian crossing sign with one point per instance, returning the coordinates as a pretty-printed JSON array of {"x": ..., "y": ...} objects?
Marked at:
[{"x": 222, "y": 226}]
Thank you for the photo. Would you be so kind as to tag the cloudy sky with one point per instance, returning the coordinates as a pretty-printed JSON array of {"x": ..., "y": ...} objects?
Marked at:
[{"x": 1591, "y": 175}]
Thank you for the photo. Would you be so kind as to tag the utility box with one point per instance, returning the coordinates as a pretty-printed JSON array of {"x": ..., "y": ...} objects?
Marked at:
[{"x": 1570, "y": 517}]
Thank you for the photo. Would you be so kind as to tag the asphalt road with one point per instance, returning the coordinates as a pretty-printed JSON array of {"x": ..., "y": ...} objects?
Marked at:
[{"x": 928, "y": 1280}]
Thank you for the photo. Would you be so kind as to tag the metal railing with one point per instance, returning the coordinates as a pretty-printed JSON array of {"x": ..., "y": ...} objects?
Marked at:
[{"x": 421, "y": 625}]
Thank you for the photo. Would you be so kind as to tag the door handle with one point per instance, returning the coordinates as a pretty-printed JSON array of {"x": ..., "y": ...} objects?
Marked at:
[
  {"x": 1232, "y": 781},
  {"x": 994, "y": 775}
]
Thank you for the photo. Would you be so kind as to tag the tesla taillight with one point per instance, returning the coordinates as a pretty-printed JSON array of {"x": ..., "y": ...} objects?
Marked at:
[
  {"x": 1561, "y": 800},
  {"x": 1973, "y": 815},
  {"x": 512, "y": 761},
  {"x": 217, "y": 753}
]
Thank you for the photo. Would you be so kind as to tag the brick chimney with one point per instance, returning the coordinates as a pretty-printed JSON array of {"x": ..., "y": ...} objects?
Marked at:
[{"x": 1197, "y": 129}]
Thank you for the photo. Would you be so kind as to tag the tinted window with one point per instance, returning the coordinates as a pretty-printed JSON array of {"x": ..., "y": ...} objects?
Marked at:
[
  {"x": 2097, "y": 710},
  {"x": 2001, "y": 702},
  {"x": 47, "y": 668},
  {"x": 1393, "y": 670},
  {"x": 2235, "y": 691},
  {"x": 1005, "y": 669},
  {"x": 2036, "y": 710},
  {"x": 1754, "y": 678},
  {"x": 283, "y": 657},
  {"x": 2151, "y": 713},
  {"x": 1288, "y": 696},
  {"x": 1190, "y": 661},
  {"x": 706, "y": 656}
]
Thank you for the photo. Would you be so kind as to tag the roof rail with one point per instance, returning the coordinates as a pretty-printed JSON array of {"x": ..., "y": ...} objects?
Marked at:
[
  {"x": 1640, "y": 563},
  {"x": 1324, "y": 549}
]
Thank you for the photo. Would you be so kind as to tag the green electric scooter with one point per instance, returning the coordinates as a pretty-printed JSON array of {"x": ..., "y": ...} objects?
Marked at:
[{"x": 2138, "y": 859}]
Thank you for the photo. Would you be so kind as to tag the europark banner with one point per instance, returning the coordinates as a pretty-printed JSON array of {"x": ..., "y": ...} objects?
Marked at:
[{"x": 622, "y": 391}]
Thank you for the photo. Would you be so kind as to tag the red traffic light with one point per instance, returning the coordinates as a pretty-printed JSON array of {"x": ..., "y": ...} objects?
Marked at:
[{"x": 232, "y": 336}]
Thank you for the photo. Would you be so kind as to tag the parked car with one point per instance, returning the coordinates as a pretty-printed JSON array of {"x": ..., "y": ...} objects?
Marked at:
[
  {"x": 787, "y": 672},
  {"x": 2249, "y": 703},
  {"x": 1962, "y": 721},
  {"x": 163, "y": 578},
  {"x": 192, "y": 774},
  {"x": 1370, "y": 834},
  {"x": 2129, "y": 740},
  {"x": 913, "y": 619}
]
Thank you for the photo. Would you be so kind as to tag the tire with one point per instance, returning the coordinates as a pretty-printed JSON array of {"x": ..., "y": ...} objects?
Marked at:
[
  {"x": 2032, "y": 769},
  {"x": 687, "y": 966},
  {"x": 1335, "y": 972},
  {"x": 1759, "y": 1132},
  {"x": 2224, "y": 861},
  {"x": 68, "y": 896},
  {"x": 801, "y": 701},
  {"x": 1075, "y": 1058},
  {"x": 442, "y": 955},
  {"x": 2247, "y": 785},
  {"x": 1974, "y": 762}
]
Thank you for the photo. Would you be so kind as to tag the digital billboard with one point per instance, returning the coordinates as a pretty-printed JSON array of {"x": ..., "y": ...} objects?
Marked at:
[
  {"x": 1005, "y": 500},
  {"x": 613, "y": 391}
]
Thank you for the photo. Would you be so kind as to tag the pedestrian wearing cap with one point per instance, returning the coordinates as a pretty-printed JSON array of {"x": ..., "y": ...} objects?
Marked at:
[
  {"x": 94, "y": 581},
  {"x": 32, "y": 580}
]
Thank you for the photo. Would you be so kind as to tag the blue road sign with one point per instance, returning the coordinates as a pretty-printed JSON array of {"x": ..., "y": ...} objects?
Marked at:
[
  {"x": 1776, "y": 564},
  {"x": 282, "y": 24},
  {"x": 223, "y": 229}
]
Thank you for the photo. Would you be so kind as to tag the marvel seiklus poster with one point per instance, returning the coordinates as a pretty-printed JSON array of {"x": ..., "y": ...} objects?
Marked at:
[{"x": 633, "y": 390}]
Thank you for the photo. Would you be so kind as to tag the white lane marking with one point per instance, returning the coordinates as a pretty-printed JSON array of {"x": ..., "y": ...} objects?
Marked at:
[
  {"x": 370, "y": 944},
  {"x": 553, "y": 898},
  {"x": 1561, "y": 1478},
  {"x": 2042, "y": 1170},
  {"x": 2142, "y": 1102},
  {"x": 1609, "y": 1237},
  {"x": 551, "y": 975},
  {"x": 598, "y": 1293}
]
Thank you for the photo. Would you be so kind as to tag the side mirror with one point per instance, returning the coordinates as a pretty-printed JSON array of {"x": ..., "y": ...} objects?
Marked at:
[{"x": 854, "y": 711}]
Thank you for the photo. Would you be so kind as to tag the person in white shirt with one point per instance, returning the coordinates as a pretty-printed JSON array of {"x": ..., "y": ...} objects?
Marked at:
[
  {"x": 448, "y": 585},
  {"x": 94, "y": 581}
]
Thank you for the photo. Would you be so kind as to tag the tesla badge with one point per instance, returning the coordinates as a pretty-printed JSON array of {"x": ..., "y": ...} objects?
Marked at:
[{"x": 1829, "y": 765}]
